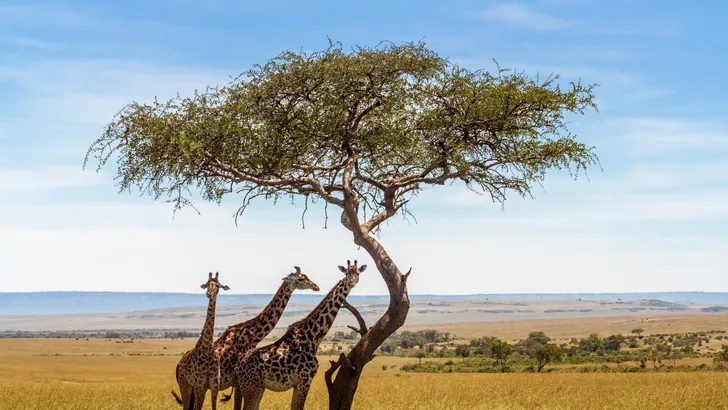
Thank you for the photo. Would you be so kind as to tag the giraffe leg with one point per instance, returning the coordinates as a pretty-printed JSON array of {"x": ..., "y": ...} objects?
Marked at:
[
  {"x": 300, "y": 393},
  {"x": 253, "y": 395},
  {"x": 213, "y": 396},
  {"x": 185, "y": 392},
  {"x": 237, "y": 399},
  {"x": 199, "y": 397}
]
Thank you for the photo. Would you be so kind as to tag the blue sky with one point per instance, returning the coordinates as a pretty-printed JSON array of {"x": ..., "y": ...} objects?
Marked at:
[{"x": 653, "y": 220}]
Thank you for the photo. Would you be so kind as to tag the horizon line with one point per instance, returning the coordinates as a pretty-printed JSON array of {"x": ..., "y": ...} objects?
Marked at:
[{"x": 368, "y": 295}]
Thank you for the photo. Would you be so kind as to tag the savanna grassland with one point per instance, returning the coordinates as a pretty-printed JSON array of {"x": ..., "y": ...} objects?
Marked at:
[{"x": 98, "y": 374}]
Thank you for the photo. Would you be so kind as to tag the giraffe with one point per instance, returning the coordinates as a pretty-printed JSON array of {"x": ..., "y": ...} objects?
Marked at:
[
  {"x": 198, "y": 370},
  {"x": 290, "y": 362},
  {"x": 239, "y": 338}
]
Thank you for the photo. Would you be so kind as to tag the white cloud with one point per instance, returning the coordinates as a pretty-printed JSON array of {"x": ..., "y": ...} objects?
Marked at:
[
  {"x": 93, "y": 91},
  {"x": 43, "y": 178},
  {"x": 523, "y": 16},
  {"x": 140, "y": 248},
  {"x": 657, "y": 136},
  {"x": 563, "y": 241}
]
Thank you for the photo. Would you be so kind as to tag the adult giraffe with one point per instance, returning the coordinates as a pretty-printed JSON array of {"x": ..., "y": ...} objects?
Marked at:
[
  {"x": 290, "y": 362},
  {"x": 198, "y": 370}
]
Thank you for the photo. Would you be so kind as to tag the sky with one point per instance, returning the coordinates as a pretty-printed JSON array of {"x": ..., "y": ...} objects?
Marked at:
[{"x": 652, "y": 218}]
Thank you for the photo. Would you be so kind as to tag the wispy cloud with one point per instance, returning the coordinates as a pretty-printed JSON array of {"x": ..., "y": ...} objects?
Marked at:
[
  {"x": 658, "y": 136},
  {"x": 42, "y": 178},
  {"x": 66, "y": 103},
  {"x": 523, "y": 16},
  {"x": 32, "y": 43}
]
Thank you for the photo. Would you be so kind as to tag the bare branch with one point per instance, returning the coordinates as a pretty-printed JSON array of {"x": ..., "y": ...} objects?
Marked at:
[
  {"x": 406, "y": 275},
  {"x": 300, "y": 185},
  {"x": 335, "y": 365},
  {"x": 363, "y": 329}
]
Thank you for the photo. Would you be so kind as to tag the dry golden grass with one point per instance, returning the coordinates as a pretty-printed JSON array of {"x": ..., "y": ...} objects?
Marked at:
[
  {"x": 99, "y": 375},
  {"x": 100, "y": 383}
]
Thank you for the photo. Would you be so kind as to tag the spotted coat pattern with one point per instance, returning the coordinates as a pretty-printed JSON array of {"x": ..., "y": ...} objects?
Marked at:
[
  {"x": 290, "y": 362},
  {"x": 198, "y": 370},
  {"x": 238, "y": 339}
]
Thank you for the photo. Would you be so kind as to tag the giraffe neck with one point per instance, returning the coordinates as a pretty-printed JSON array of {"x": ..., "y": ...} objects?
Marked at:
[
  {"x": 208, "y": 330},
  {"x": 319, "y": 321},
  {"x": 271, "y": 314}
]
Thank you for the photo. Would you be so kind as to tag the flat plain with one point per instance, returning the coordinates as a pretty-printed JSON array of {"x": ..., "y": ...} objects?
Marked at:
[{"x": 99, "y": 374}]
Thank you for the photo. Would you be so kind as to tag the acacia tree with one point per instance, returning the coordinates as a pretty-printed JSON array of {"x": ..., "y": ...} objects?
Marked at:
[
  {"x": 546, "y": 353},
  {"x": 363, "y": 131}
]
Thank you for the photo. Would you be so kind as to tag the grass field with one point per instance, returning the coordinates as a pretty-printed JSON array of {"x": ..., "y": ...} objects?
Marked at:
[
  {"x": 98, "y": 375},
  {"x": 127, "y": 382}
]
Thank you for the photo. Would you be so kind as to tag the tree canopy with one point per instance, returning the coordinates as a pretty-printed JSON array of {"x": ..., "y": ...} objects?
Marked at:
[
  {"x": 376, "y": 124},
  {"x": 364, "y": 131}
]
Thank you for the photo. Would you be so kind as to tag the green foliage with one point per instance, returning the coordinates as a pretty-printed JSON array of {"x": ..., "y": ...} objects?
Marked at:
[
  {"x": 409, "y": 339},
  {"x": 722, "y": 355},
  {"x": 501, "y": 350},
  {"x": 546, "y": 354},
  {"x": 372, "y": 126}
]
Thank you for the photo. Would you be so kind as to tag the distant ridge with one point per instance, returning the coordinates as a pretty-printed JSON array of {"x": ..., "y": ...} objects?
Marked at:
[{"x": 41, "y": 303}]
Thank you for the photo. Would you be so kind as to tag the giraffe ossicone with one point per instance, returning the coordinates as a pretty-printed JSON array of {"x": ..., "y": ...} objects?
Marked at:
[
  {"x": 238, "y": 339},
  {"x": 290, "y": 362},
  {"x": 198, "y": 370}
]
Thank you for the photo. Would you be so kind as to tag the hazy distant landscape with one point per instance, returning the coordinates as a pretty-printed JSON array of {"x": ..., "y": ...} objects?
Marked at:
[{"x": 93, "y": 311}]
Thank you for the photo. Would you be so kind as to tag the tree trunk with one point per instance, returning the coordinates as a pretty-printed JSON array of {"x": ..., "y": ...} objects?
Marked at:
[{"x": 349, "y": 367}]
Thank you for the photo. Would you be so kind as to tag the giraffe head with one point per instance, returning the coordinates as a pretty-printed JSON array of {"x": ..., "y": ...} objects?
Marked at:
[
  {"x": 213, "y": 286},
  {"x": 352, "y": 272},
  {"x": 299, "y": 281}
]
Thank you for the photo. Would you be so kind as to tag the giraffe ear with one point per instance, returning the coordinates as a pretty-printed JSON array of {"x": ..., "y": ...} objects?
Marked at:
[
  {"x": 298, "y": 270},
  {"x": 362, "y": 267},
  {"x": 341, "y": 268}
]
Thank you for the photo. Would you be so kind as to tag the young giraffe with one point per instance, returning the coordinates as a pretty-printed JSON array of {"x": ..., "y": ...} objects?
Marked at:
[
  {"x": 290, "y": 362},
  {"x": 238, "y": 339},
  {"x": 198, "y": 370}
]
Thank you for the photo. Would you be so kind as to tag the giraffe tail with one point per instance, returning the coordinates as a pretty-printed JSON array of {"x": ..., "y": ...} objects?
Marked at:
[
  {"x": 227, "y": 397},
  {"x": 176, "y": 397}
]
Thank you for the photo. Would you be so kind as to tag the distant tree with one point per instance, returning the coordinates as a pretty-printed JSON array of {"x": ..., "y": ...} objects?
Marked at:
[
  {"x": 675, "y": 355},
  {"x": 638, "y": 331},
  {"x": 591, "y": 344},
  {"x": 655, "y": 356},
  {"x": 419, "y": 355},
  {"x": 501, "y": 351},
  {"x": 482, "y": 346},
  {"x": 462, "y": 351},
  {"x": 641, "y": 357},
  {"x": 539, "y": 337},
  {"x": 613, "y": 343},
  {"x": 722, "y": 355},
  {"x": 363, "y": 131},
  {"x": 546, "y": 354}
]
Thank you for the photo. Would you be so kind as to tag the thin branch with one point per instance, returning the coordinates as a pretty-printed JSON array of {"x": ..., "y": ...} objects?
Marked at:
[
  {"x": 300, "y": 184},
  {"x": 303, "y": 214},
  {"x": 406, "y": 275},
  {"x": 363, "y": 329}
]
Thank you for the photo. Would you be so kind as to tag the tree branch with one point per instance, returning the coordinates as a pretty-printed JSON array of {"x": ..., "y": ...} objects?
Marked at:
[
  {"x": 300, "y": 184},
  {"x": 363, "y": 329},
  {"x": 335, "y": 365}
]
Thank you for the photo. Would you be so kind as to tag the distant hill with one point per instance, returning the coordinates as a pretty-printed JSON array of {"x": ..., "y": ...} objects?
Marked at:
[{"x": 41, "y": 303}]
